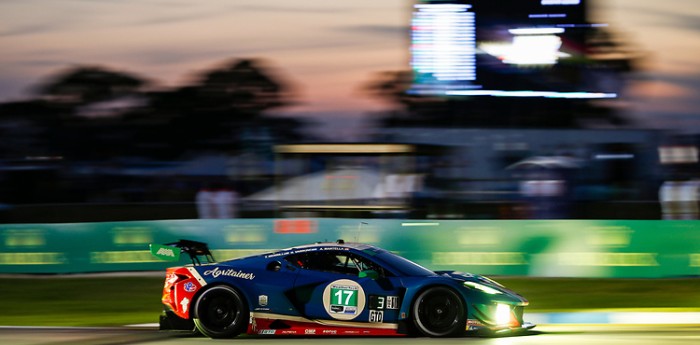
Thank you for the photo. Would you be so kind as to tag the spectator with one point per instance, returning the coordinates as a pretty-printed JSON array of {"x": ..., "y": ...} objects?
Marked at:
[
  {"x": 680, "y": 199},
  {"x": 206, "y": 207},
  {"x": 225, "y": 202}
]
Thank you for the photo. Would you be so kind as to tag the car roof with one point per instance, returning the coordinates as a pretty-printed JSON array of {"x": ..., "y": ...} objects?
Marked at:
[
  {"x": 338, "y": 245},
  {"x": 401, "y": 266},
  {"x": 330, "y": 246}
]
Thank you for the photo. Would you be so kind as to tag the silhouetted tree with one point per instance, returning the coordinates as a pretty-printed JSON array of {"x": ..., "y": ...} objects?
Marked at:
[
  {"x": 245, "y": 86},
  {"x": 391, "y": 86},
  {"x": 394, "y": 87},
  {"x": 212, "y": 113},
  {"x": 24, "y": 128},
  {"x": 88, "y": 84},
  {"x": 98, "y": 114}
]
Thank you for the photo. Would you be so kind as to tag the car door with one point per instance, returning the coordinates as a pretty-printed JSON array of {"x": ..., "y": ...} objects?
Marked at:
[{"x": 344, "y": 287}]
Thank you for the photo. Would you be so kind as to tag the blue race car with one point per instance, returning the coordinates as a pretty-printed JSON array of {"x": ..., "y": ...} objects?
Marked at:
[{"x": 330, "y": 289}]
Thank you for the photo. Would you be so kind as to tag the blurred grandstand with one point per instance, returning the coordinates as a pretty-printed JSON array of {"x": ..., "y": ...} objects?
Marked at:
[{"x": 97, "y": 144}]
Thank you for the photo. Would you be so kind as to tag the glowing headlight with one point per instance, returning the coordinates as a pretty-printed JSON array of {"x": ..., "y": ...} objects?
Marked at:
[
  {"x": 502, "y": 314},
  {"x": 483, "y": 288}
]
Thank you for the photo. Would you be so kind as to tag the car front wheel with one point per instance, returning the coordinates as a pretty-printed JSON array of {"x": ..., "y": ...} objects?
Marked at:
[
  {"x": 439, "y": 312},
  {"x": 221, "y": 312}
]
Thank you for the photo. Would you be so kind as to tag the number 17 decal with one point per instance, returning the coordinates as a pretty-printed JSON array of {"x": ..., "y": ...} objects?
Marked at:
[{"x": 344, "y": 299}]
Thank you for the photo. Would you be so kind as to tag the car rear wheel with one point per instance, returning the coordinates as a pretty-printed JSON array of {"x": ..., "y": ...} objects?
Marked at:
[
  {"x": 439, "y": 312},
  {"x": 221, "y": 312}
]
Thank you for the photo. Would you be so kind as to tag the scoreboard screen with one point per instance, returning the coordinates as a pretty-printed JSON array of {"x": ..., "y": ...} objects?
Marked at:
[{"x": 510, "y": 48}]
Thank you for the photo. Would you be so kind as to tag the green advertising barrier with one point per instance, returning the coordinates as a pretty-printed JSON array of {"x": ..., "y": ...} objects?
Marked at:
[{"x": 557, "y": 248}]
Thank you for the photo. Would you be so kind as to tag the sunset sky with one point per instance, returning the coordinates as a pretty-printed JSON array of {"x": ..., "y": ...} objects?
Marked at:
[{"x": 327, "y": 49}]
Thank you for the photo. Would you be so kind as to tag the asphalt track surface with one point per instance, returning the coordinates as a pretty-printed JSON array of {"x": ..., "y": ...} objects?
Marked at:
[{"x": 543, "y": 335}]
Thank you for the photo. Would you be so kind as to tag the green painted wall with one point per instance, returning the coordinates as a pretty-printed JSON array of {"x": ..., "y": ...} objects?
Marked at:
[{"x": 561, "y": 248}]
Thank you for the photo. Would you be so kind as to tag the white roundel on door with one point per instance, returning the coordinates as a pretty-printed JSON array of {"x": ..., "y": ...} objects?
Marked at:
[{"x": 344, "y": 299}]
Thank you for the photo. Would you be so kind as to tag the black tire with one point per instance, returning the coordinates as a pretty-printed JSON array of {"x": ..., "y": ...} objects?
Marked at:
[
  {"x": 221, "y": 312},
  {"x": 439, "y": 312}
]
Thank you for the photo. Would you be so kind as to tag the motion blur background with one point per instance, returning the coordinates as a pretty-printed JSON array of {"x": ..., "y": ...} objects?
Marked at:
[
  {"x": 131, "y": 122},
  {"x": 169, "y": 109}
]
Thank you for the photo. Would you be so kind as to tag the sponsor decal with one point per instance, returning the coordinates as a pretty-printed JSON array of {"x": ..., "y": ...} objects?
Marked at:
[
  {"x": 267, "y": 331},
  {"x": 184, "y": 304},
  {"x": 262, "y": 300},
  {"x": 171, "y": 278},
  {"x": 474, "y": 323},
  {"x": 288, "y": 332},
  {"x": 195, "y": 274},
  {"x": 694, "y": 260},
  {"x": 392, "y": 302},
  {"x": 309, "y": 331},
  {"x": 229, "y": 272},
  {"x": 344, "y": 299},
  {"x": 376, "y": 316},
  {"x": 115, "y": 257},
  {"x": 383, "y": 302},
  {"x": 335, "y": 248},
  {"x": 166, "y": 253},
  {"x": 295, "y": 226},
  {"x": 330, "y": 331},
  {"x": 190, "y": 287},
  {"x": 305, "y": 250},
  {"x": 376, "y": 302},
  {"x": 35, "y": 258},
  {"x": 289, "y": 252}
]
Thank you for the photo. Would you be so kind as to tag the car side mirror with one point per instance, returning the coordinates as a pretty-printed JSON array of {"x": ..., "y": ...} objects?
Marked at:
[
  {"x": 371, "y": 274},
  {"x": 274, "y": 266}
]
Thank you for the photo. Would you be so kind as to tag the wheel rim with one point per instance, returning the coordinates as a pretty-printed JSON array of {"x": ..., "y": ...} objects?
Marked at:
[
  {"x": 439, "y": 312},
  {"x": 218, "y": 311}
]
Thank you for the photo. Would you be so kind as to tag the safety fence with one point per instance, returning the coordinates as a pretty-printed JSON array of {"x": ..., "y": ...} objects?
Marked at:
[{"x": 560, "y": 248}]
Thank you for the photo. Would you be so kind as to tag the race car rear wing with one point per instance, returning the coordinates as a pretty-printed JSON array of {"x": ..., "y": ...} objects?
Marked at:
[{"x": 193, "y": 248}]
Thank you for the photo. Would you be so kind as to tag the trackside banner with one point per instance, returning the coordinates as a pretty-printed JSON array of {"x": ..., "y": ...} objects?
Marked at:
[{"x": 556, "y": 248}]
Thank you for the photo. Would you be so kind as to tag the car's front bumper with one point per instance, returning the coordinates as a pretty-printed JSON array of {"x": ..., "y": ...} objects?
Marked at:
[{"x": 497, "y": 317}]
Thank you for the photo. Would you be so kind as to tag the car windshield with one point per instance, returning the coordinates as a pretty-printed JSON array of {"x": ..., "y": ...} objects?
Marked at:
[{"x": 404, "y": 266}]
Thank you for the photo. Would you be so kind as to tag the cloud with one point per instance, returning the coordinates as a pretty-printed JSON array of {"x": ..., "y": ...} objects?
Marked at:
[
  {"x": 656, "y": 88},
  {"x": 691, "y": 81},
  {"x": 292, "y": 9},
  {"x": 667, "y": 17},
  {"x": 29, "y": 29},
  {"x": 384, "y": 30},
  {"x": 185, "y": 13},
  {"x": 173, "y": 19},
  {"x": 667, "y": 101},
  {"x": 81, "y": 15},
  {"x": 43, "y": 62},
  {"x": 668, "y": 90},
  {"x": 266, "y": 48},
  {"x": 15, "y": 88},
  {"x": 175, "y": 56}
]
